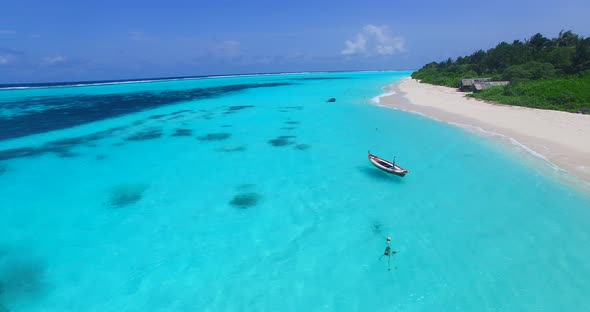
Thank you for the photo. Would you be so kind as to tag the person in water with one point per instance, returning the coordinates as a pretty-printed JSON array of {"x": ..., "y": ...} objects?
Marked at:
[{"x": 388, "y": 252}]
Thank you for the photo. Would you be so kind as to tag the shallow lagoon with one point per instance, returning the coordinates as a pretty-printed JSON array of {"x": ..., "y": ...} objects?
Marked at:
[{"x": 262, "y": 198}]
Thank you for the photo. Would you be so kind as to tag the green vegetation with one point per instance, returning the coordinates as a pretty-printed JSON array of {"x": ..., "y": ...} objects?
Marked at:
[{"x": 544, "y": 73}]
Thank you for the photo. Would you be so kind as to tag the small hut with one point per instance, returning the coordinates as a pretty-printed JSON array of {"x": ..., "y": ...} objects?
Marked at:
[{"x": 467, "y": 84}]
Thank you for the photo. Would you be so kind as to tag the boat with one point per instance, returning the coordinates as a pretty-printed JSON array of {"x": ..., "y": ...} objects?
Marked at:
[{"x": 387, "y": 166}]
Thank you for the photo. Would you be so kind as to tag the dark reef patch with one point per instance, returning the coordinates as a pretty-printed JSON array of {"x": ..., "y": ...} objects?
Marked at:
[
  {"x": 157, "y": 116},
  {"x": 226, "y": 126},
  {"x": 20, "y": 278},
  {"x": 292, "y": 107},
  {"x": 238, "y": 107},
  {"x": 67, "y": 154},
  {"x": 288, "y": 128},
  {"x": 149, "y": 134},
  {"x": 232, "y": 149},
  {"x": 125, "y": 195},
  {"x": 292, "y": 122},
  {"x": 280, "y": 142},
  {"x": 302, "y": 147},
  {"x": 181, "y": 112},
  {"x": 182, "y": 132},
  {"x": 3, "y": 169},
  {"x": 245, "y": 200},
  {"x": 100, "y": 157},
  {"x": 65, "y": 111},
  {"x": 61, "y": 147},
  {"x": 287, "y": 137},
  {"x": 215, "y": 136}
]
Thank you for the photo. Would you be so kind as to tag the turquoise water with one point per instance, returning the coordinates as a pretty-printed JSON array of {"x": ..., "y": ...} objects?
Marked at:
[{"x": 264, "y": 200}]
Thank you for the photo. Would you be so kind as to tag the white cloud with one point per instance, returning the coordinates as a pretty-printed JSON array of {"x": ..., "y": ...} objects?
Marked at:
[
  {"x": 374, "y": 40},
  {"x": 54, "y": 60},
  {"x": 358, "y": 46}
]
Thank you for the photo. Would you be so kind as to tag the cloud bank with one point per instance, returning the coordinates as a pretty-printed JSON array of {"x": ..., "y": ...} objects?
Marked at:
[{"x": 374, "y": 40}]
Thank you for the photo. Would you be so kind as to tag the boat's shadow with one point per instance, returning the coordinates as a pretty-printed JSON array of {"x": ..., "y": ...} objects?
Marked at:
[{"x": 379, "y": 175}]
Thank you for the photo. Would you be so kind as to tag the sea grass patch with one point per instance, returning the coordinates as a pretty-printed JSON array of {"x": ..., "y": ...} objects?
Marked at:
[
  {"x": 226, "y": 126},
  {"x": 232, "y": 149},
  {"x": 66, "y": 154},
  {"x": 245, "y": 200},
  {"x": 60, "y": 147},
  {"x": 210, "y": 137},
  {"x": 100, "y": 157},
  {"x": 157, "y": 116},
  {"x": 20, "y": 277},
  {"x": 291, "y": 122},
  {"x": 302, "y": 147},
  {"x": 86, "y": 108},
  {"x": 3, "y": 169},
  {"x": 288, "y": 128},
  {"x": 125, "y": 195},
  {"x": 149, "y": 134},
  {"x": 182, "y": 132},
  {"x": 238, "y": 107},
  {"x": 181, "y": 112}
]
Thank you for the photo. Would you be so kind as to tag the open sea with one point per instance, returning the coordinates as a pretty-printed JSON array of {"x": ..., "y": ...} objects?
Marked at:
[{"x": 252, "y": 193}]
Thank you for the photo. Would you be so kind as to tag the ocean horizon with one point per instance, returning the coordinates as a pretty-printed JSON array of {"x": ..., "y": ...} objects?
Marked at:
[{"x": 252, "y": 192}]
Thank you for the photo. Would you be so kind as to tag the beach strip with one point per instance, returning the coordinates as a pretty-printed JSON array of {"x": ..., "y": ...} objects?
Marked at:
[{"x": 560, "y": 137}]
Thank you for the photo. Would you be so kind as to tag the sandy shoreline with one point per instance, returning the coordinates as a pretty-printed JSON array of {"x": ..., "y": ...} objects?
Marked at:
[{"x": 561, "y": 138}]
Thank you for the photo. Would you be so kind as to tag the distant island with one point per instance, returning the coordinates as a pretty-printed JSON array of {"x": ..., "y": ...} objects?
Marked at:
[{"x": 539, "y": 73}]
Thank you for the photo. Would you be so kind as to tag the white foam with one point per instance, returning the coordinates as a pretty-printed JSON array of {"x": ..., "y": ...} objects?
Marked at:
[{"x": 512, "y": 140}]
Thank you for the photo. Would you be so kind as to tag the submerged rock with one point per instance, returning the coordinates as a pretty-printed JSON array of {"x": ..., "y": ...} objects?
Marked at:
[
  {"x": 279, "y": 142},
  {"x": 331, "y": 100},
  {"x": 245, "y": 200}
]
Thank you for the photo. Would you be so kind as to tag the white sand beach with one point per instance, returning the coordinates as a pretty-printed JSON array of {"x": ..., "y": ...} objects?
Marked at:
[{"x": 562, "y": 138}]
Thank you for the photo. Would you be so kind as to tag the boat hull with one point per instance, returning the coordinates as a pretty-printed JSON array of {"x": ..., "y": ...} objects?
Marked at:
[{"x": 387, "y": 166}]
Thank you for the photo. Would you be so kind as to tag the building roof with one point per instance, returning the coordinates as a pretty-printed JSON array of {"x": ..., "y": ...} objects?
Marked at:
[
  {"x": 478, "y": 86},
  {"x": 470, "y": 81}
]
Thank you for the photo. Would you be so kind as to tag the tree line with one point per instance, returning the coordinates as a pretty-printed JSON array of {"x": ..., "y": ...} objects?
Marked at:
[{"x": 535, "y": 58}]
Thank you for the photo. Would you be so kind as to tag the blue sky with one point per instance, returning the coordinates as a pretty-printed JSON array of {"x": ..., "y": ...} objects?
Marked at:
[{"x": 92, "y": 40}]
